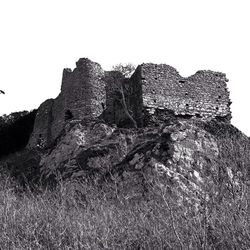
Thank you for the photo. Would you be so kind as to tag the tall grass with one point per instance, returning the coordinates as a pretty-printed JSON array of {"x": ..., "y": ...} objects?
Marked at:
[{"x": 80, "y": 216}]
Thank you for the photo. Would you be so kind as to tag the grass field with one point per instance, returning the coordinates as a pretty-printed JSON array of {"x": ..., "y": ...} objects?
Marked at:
[{"x": 78, "y": 216}]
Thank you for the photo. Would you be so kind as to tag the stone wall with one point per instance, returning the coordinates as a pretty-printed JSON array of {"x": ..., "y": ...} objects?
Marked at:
[
  {"x": 203, "y": 94},
  {"x": 83, "y": 90}
]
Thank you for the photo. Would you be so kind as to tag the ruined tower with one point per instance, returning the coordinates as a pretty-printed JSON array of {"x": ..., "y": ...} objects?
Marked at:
[
  {"x": 82, "y": 96},
  {"x": 83, "y": 89}
]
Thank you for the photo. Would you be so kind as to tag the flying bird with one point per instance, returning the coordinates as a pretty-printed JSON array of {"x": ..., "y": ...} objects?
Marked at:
[{"x": 2, "y": 92}]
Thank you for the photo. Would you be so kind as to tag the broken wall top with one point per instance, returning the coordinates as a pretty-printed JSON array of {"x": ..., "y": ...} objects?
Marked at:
[{"x": 203, "y": 94}]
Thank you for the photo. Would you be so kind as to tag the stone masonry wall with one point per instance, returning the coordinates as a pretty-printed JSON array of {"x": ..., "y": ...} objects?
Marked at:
[
  {"x": 203, "y": 94},
  {"x": 83, "y": 90}
]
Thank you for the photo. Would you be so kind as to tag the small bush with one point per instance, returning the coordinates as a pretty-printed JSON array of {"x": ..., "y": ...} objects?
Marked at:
[{"x": 15, "y": 131}]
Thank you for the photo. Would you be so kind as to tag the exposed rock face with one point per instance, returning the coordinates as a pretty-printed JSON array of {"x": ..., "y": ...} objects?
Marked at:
[
  {"x": 153, "y": 91},
  {"x": 179, "y": 153},
  {"x": 77, "y": 138}
]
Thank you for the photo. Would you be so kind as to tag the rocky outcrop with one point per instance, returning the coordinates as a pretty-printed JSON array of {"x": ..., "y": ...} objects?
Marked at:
[
  {"x": 188, "y": 158},
  {"x": 78, "y": 137},
  {"x": 181, "y": 155}
]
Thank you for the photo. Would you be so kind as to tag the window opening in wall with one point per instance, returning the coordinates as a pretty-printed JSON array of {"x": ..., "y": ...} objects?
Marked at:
[
  {"x": 217, "y": 108},
  {"x": 156, "y": 78},
  {"x": 103, "y": 106},
  {"x": 143, "y": 78},
  {"x": 181, "y": 81},
  {"x": 219, "y": 96},
  {"x": 68, "y": 115},
  {"x": 154, "y": 100},
  {"x": 186, "y": 93}
]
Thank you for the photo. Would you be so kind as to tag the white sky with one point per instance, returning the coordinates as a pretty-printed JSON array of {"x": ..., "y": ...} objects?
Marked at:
[{"x": 40, "y": 38}]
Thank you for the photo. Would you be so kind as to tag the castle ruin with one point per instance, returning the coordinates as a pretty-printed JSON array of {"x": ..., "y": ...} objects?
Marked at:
[{"x": 90, "y": 92}]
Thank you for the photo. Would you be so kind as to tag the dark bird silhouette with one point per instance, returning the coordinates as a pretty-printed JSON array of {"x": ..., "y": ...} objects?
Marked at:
[{"x": 2, "y": 92}]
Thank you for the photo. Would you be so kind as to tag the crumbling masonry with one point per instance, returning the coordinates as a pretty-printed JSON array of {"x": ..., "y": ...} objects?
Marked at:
[{"x": 89, "y": 92}]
